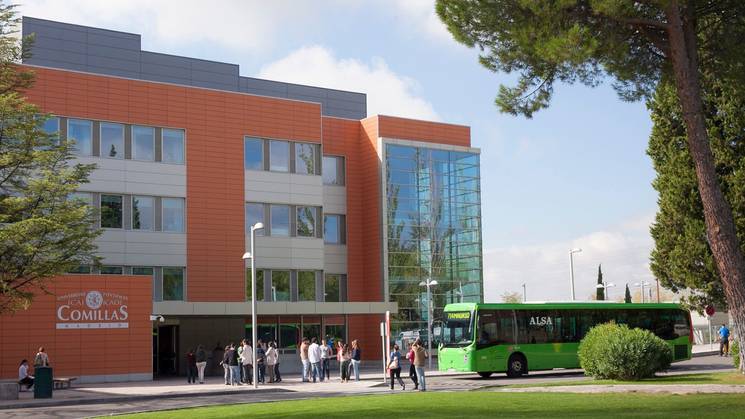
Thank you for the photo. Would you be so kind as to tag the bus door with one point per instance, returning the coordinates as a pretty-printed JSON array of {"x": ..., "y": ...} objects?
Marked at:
[{"x": 494, "y": 335}]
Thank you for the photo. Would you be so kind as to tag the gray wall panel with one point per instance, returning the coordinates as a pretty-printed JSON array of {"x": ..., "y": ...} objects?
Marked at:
[{"x": 101, "y": 51}]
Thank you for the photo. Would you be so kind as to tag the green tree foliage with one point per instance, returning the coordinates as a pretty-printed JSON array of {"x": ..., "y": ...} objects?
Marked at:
[
  {"x": 600, "y": 292},
  {"x": 682, "y": 258},
  {"x": 43, "y": 233},
  {"x": 627, "y": 296},
  {"x": 612, "y": 351}
]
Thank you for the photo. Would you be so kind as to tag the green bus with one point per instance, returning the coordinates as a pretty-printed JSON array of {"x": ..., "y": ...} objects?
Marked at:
[{"x": 515, "y": 338}]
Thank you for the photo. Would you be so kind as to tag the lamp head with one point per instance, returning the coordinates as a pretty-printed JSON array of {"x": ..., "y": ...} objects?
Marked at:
[
  {"x": 257, "y": 226},
  {"x": 247, "y": 255}
]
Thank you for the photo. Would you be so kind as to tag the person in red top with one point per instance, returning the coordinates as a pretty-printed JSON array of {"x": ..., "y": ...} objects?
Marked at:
[{"x": 412, "y": 370}]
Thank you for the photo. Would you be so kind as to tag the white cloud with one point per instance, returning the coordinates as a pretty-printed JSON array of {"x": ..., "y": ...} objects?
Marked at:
[
  {"x": 387, "y": 92},
  {"x": 623, "y": 252},
  {"x": 239, "y": 24},
  {"x": 421, "y": 15}
]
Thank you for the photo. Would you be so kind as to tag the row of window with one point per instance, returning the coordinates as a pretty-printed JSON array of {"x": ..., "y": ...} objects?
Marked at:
[
  {"x": 278, "y": 221},
  {"x": 173, "y": 278},
  {"x": 288, "y": 285},
  {"x": 142, "y": 214},
  {"x": 112, "y": 137},
  {"x": 293, "y": 157}
]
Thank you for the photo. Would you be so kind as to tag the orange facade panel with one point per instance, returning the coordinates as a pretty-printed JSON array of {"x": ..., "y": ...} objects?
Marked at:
[
  {"x": 89, "y": 325},
  {"x": 412, "y": 129}
]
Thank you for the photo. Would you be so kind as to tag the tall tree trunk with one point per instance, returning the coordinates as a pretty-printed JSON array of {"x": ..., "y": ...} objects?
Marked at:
[{"x": 720, "y": 223}]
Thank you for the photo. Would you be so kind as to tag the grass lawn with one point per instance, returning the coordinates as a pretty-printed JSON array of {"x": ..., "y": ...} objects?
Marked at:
[
  {"x": 479, "y": 405},
  {"x": 706, "y": 378}
]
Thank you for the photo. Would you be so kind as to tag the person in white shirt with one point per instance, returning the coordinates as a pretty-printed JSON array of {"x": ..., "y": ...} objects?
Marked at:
[
  {"x": 325, "y": 359},
  {"x": 271, "y": 360},
  {"x": 23, "y": 377},
  {"x": 314, "y": 357},
  {"x": 247, "y": 362}
]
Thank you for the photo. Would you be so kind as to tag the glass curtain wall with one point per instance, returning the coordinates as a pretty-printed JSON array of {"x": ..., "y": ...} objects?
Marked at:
[{"x": 434, "y": 231}]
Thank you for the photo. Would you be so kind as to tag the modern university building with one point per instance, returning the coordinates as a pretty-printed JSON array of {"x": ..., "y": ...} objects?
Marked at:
[{"x": 358, "y": 210}]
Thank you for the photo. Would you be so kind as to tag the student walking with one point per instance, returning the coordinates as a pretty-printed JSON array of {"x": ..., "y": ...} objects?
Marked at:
[
  {"x": 191, "y": 367},
  {"x": 394, "y": 366},
  {"x": 346, "y": 362},
  {"x": 412, "y": 369},
  {"x": 277, "y": 375},
  {"x": 271, "y": 360},
  {"x": 314, "y": 357},
  {"x": 420, "y": 354},
  {"x": 24, "y": 378},
  {"x": 356, "y": 358},
  {"x": 226, "y": 364},
  {"x": 723, "y": 340},
  {"x": 201, "y": 358},
  {"x": 247, "y": 362},
  {"x": 304, "y": 359},
  {"x": 325, "y": 360}
]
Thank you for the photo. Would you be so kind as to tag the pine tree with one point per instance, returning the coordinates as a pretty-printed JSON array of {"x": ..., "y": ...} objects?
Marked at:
[
  {"x": 43, "y": 233},
  {"x": 600, "y": 295},
  {"x": 627, "y": 296}
]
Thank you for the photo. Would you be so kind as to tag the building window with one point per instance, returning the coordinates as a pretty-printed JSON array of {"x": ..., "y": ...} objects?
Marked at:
[
  {"x": 279, "y": 156},
  {"x": 111, "y": 211},
  {"x": 80, "y": 269},
  {"x": 111, "y": 270},
  {"x": 51, "y": 126},
  {"x": 306, "y": 285},
  {"x": 112, "y": 140},
  {"x": 253, "y": 154},
  {"x": 280, "y": 215},
  {"x": 280, "y": 286},
  {"x": 306, "y": 221},
  {"x": 333, "y": 229},
  {"x": 143, "y": 143},
  {"x": 254, "y": 214},
  {"x": 82, "y": 133},
  {"x": 173, "y": 146},
  {"x": 332, "y": 287},
  {"x": 142, "y": 270},
  {"x": 333, "y": 170},
  {"x": 305, "y": 158},
  {"x": 142, "y": 212},
  {"x": 259, "y": 285},
  {"x": 173, "y": 284},
  {"x": 173, "y": 215}
]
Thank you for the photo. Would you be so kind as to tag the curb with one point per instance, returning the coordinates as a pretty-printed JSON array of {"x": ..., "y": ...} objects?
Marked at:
[
  {"x": 704, "y": 353},
  {"x": 125, "y": 399}
]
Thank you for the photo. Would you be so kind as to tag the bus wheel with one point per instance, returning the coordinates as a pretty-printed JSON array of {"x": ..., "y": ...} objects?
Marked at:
[
  {"x": 485, "y": 374},
  {"x": 517, "y": 366}
]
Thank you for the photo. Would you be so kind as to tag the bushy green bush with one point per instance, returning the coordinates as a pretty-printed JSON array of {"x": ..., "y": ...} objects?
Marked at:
[
  {"x": 612, "y": 351},
  {"x": 735, "y": 352}
]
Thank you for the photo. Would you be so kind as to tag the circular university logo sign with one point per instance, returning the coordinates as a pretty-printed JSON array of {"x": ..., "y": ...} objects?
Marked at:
[{"x": 93, "y": 300}]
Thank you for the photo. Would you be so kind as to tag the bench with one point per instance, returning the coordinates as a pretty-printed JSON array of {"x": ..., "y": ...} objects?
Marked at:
[
  {"x": 9, "y": 390},
  {"x": 62, "y": 383}
]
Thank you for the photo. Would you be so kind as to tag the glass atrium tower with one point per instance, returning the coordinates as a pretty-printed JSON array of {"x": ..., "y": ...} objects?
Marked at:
[{"x": 432, "y": 209}]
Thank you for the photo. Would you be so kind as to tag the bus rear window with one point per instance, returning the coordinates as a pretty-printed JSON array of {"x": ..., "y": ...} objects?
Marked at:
[{"x": 457, "y": 330}]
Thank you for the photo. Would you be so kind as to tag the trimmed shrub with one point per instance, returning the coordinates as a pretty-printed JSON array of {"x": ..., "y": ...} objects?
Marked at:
[
  {"x": 612, "y": 351},
  {"x": 735, "y": 352}
]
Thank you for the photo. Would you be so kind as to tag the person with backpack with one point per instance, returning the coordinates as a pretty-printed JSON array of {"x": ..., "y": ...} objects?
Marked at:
[
  {"x": 394, "y": 366},
  {"x": 723, "y": 340},
  {"x": 235, "y": 369},
  {"x": 201, "y": 358},
  {"x": 356, "y": 359},
  {"x": 41, "y": 359}
]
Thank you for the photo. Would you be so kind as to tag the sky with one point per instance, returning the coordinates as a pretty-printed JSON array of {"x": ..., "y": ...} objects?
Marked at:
[{"x": 574, "y": 176}]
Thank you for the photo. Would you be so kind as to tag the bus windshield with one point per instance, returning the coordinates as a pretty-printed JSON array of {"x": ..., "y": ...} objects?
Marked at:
[{"x": 458, "y": 330}]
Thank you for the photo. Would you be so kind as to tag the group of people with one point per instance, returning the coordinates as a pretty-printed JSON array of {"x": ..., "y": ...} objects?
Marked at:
[
  {"x": 238, "y": 363},
  {"x": 416, "y": 357},
  {"x": 41, "y": 359},
  {"x": 316, "y": 359}
]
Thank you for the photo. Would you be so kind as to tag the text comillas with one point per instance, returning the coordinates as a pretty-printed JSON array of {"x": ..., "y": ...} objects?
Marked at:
[{"x": 92, "y": 310}]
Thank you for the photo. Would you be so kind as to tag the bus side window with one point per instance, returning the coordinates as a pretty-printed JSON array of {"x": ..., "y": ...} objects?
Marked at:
[{"x": 487, "y": 329}]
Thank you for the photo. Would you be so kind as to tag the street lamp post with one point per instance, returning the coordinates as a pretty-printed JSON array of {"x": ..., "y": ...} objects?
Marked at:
[
  {"x": 429, "y": 283},
  {"x": 252, "y": 255},
  {"x": 525, "y": 294},
  {"x": 571, "y": 269},
  {"x": 641, "y": 286},
  {"x": 605, "y": 286}
]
